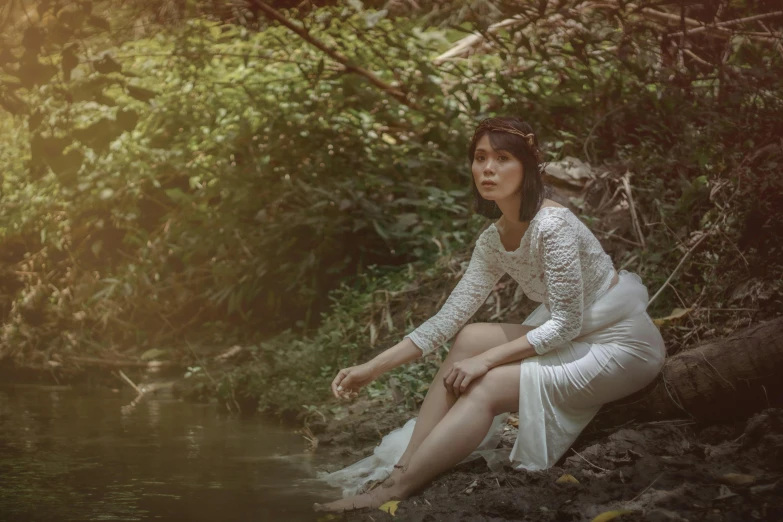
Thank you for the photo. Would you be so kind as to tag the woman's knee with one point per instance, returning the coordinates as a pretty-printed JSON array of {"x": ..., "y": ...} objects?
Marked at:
[
  {"x": 468, "y": 342},
  {"x": 477, "y": 338},
  {"x": 497, "y": 390}
]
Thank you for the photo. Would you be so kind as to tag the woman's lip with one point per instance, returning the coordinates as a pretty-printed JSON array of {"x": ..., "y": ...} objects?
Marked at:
[{"x": 488, "y": 183}]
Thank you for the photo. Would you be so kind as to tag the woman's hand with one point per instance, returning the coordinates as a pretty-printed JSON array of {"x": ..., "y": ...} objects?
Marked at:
[
  {"x": 464, "y": 372},
  {"x": 348, "y": 381}
]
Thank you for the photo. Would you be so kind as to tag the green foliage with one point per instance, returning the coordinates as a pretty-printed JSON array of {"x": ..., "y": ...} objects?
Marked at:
[
  {"x": 217, "y": 177},
  {"x": 290, "y": 370},
  {"x": 210, "y": 174}
]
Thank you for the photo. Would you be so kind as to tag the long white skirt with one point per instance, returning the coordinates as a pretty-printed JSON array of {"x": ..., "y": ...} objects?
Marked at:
[{"x": 618, "y": 351}]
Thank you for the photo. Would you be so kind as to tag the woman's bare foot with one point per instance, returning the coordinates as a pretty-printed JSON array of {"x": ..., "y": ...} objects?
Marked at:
[{"x": 373, "y": 499}]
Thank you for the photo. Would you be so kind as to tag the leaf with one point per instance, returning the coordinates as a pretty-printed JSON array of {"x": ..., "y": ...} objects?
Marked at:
[
  {"x": 764, "y": 488},
  {"x": 140, "y": 93},
  {"x": 127, "y": 119},
  {"x": 154, "y": 353},
  {"x": 33, "y": 39},
  {"x": 390, "y": 507},
  {"x": 610, "y": 515},
  {"x": 676, "y": 314},
  {"x": 46, "y": 148},
  {"x": 107, "y": 65},
  {"x": 69, "y": 61},
  {"x": 99, "y": 22},
  {"x": 371, "y": 19},
  {"x": 66, "y": 165},
  {"x": 72, "y": 17},
  {"x": 99, "y": 134},
  {"x": 32, "y": 72},
  {"x": 474, "y": 102},
  {"x": 380, "y": 230},
  {"x": 724, "y": 492},
  {"x": 177, "y": 196},
  {"x": 567, "y": 479},
  {"x": 736, "y": 479}
]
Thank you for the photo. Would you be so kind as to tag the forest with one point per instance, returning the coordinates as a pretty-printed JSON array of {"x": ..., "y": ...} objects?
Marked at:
[{"x": 238, "y": 198}]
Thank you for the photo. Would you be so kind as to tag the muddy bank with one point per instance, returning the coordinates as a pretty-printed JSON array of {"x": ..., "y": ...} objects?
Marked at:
[{"x": 664, "y": 471}]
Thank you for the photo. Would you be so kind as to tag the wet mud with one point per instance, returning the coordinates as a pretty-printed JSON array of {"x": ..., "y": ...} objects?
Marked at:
[{"x": 659, "y": 471}]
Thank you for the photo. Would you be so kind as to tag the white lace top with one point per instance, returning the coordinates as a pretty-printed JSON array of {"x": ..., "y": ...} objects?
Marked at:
[{"x": 559, "y": 262}]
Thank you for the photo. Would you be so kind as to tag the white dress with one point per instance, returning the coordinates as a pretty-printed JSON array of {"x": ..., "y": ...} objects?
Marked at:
[{"x": 595, "y": 344}]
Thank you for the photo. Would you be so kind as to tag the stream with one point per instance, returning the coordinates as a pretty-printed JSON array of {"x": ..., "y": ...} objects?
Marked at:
[{"x": 72, "y": 455}]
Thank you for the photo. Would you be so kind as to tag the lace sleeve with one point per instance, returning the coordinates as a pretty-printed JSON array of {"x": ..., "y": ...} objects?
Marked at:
[
  {"x": 470, "y": 293},
  {"x": 559, "y": 250}
]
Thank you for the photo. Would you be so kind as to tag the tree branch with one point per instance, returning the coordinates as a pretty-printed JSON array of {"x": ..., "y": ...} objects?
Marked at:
[
  {"x": 337, "y": 56},
  {"x": 707, "y": 27}
]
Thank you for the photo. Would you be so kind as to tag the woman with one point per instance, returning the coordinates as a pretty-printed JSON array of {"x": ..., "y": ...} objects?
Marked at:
[{"x": 590, "y": 342}]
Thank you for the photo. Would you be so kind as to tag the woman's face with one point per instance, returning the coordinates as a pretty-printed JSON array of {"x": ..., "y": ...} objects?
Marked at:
[{"x": 497, "y": 174}]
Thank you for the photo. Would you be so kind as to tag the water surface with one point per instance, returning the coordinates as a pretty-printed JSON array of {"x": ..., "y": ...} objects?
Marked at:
[{"x": 75, "y": 455}]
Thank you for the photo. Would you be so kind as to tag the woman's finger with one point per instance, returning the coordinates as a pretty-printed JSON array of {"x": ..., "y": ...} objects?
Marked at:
[
  {"x": 457, "y": 383},
  {"x": 337, "y": 382},
  {"x": 449, "y": 379},
  {"x": 348, "y": 394},
  {"x": 463, "y": 387}
]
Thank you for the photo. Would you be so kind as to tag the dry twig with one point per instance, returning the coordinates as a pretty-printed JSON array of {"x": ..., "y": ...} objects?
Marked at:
[
  {"x": 634, "y": 216},
  {"x": 593, "y": 465},
  {"x": 132, "y": 405},
  {"x": 679, "y": 265},
  {"x": 727, "y": 23},
  {"x": 648, "y": 487}
]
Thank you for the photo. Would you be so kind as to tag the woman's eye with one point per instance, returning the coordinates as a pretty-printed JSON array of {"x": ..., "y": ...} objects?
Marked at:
[
  {"x": 479, "y": 158},
  {"x": 502, "y": 158}
]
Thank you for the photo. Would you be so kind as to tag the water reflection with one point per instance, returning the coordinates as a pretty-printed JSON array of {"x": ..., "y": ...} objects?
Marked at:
[{"x": 69, "y": 455}]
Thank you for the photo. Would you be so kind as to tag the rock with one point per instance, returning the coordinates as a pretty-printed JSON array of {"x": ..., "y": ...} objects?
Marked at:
[{"x": 569, "y": 170}]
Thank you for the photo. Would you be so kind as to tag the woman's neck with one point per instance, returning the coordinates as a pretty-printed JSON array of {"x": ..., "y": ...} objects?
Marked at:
[
  {"x": 512, "y": 225},
  {"x": 510, "y": 210}
]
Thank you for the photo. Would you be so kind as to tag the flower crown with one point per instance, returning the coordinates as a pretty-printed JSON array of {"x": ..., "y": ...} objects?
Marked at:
[{"x": 487, "y": 125}]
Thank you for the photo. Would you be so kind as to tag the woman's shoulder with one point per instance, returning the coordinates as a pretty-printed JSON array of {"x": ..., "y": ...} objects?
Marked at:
[
  {"x": 552, "y": 218},
  {"x": 484, "y": 240}
]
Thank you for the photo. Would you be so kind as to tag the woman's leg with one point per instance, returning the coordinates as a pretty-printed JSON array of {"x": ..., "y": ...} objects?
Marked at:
[
  {"x": 455, "y": 437},
  {"x": 472, "y": 340}
]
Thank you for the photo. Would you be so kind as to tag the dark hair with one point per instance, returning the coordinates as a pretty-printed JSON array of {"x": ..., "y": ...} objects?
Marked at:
[{"x": 525, "y": 149}]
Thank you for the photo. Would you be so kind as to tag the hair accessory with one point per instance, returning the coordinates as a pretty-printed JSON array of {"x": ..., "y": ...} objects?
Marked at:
[{"x": 489, "y": 125}]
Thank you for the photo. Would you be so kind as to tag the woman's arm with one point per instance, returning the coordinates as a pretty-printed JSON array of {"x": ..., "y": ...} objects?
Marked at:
[
  {"x": 403, "y": 352},
  {"x": 515, "y": 350},
  {"x": 559, "y": 250},
  {"x": 471, "y": 292},
  {"x": 349, "y": 380}
]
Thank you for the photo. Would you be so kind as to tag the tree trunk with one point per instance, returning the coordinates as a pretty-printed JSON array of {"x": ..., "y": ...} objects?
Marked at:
[{"x": 722, "y": 380}]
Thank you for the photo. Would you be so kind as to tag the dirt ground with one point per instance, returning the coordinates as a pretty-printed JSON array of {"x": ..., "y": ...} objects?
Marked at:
[{"x": 658, "y": 471}]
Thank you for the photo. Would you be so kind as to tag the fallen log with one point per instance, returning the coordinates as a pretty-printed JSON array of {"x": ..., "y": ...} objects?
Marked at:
[{"x": 721, "y": 380}]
